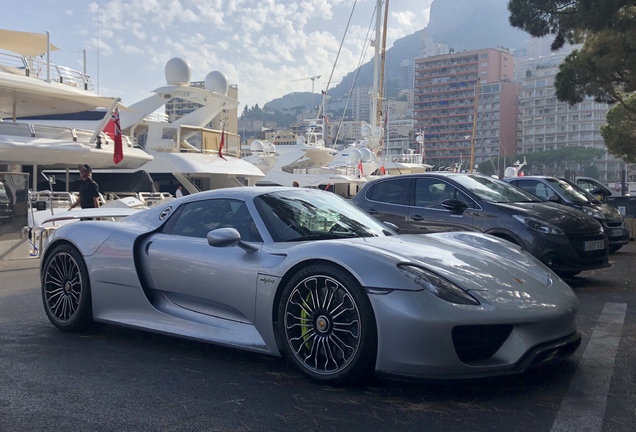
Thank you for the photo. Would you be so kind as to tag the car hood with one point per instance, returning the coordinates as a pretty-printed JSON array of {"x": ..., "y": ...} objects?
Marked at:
[
  {"x": 570, "y": 220},
  {"x": 501, "y": 275},
  {"x": 610, "y": 213},
  {"x": 490, "y": 267}
]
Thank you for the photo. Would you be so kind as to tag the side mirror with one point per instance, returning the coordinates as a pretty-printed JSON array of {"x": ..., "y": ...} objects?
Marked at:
[
  {"x": 553, "y": 198},
  {"x": 227, "y": 237}
]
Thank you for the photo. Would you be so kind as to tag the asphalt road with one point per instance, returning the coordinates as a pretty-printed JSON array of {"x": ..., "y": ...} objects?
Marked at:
[{"x": 125, "y": 380}]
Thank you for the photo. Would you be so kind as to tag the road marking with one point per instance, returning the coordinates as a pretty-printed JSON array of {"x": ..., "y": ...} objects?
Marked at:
[{"x": 583, "y": 407}]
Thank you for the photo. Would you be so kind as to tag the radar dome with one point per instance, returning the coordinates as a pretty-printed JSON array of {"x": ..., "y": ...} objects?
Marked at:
[
  {"x": 217, "y": 82},
  {"x": 268, "y": 147},
  {"x": 256, "y": 146},
  {"x": 178, "y": 71},
  {"x": 366, "y": 154},
  {"x": 355, "y": 155}
]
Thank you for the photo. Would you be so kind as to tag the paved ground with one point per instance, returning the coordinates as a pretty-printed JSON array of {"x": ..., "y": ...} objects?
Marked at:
[{"x": 124, "y": 380}]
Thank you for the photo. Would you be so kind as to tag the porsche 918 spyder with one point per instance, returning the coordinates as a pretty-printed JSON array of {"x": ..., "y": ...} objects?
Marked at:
[{"x": 304, "y": 274}]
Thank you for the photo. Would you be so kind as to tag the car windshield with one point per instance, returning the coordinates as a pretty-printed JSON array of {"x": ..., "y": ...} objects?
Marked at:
[
  {"x": 493, "y": 190},
  {"x": 574, "y": 193},
  {"x": 299, "y": 215}
]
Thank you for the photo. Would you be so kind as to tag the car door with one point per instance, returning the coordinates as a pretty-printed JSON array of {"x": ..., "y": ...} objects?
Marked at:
[
  {"x": 216, "y": 281},
  {"x": 439, "y": 206},
  {"x": 388, "y": 201}
]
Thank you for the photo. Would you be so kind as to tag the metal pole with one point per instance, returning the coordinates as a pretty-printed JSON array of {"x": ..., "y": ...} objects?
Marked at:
[{"x": 472, "y": 141}]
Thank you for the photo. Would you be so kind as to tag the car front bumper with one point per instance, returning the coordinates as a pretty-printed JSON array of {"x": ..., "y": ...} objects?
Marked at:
[{"x": 422, "y": 336}]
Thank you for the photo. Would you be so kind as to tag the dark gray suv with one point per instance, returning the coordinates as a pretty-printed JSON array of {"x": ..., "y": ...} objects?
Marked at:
[
  {"x": 564, "y": 192},
  {"x": 565, "y": 239}
]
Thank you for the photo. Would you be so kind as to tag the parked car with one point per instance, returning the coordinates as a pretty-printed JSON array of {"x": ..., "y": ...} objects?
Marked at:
[
  {"x": 564, "y": 192},
  {"x": 565, "y": 239},
  {"x": 595, "y": 187},
  {"x": 305, "y": 274}
]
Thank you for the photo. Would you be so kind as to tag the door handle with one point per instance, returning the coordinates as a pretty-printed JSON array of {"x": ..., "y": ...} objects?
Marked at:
[
  {"x": 372, "y": 211},
  {"x": 417, "y": 218}
]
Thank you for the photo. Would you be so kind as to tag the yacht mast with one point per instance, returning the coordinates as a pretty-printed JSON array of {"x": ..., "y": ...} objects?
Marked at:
[
  {"x": 376, "y": 107},
  {"x": 382, "y": 63}
]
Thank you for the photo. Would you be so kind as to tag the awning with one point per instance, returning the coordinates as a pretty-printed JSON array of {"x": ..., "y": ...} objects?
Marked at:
[{"x": 24, "y": 43}]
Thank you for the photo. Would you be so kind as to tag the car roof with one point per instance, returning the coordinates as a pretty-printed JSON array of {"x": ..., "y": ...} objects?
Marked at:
[{"x": 533, "y": 177}]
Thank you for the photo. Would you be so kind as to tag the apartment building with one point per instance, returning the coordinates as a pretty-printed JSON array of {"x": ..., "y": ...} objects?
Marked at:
[
  {"x": 361, "y": 103},
  {"x": 446, "y": 94},
  {"x": 546, "y": 124}
]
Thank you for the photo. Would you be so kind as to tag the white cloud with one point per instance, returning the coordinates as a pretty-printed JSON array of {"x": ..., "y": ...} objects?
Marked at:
[{"x": 261, "y": 45}]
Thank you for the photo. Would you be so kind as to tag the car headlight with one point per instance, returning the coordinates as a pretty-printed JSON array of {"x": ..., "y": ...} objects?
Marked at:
[
  {"x": 437, "y": 285},
  {"x": 594, "y": 213},
  {"x": 539, "y": 225}
]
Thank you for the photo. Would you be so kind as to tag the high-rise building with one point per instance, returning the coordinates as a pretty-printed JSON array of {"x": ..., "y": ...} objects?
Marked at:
[
  {"x": 446, "y": 94},
  {"x": 548, "y": 124},
  {"x": 361, "y": 103}
]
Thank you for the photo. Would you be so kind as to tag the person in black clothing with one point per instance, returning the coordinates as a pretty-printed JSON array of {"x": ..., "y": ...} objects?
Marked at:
[{"x": 88, "y": 191}]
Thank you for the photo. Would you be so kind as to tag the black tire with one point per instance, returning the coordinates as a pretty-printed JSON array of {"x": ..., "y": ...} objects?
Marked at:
[
  {"x": 327, "y": 327},
  {"x": 66, "y": 291}
]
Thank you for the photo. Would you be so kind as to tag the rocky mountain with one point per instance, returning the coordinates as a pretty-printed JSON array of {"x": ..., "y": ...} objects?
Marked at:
[{"x": 462, "y": 24}]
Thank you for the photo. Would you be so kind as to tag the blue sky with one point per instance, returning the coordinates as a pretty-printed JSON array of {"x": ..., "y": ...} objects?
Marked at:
[{"x": 260, "y": 45}]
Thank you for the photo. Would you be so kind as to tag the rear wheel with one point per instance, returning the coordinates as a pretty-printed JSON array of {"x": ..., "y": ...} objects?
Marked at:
[
  {"x": 66, "y": 291},
  {"x": 326, "y": 324}
]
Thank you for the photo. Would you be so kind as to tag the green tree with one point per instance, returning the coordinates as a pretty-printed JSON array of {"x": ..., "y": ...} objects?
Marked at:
[{"x": 620, "y": 131}]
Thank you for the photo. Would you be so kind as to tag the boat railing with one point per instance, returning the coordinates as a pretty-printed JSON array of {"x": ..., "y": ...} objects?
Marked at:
[
  {"x": 37, "y": 68},
  {"x": 152, "y": 198},
  {"x": 46, "y": 199},
  {"x": 59, "y": 133},
  {"x": 347, "y": 170},
  {"x": 413, "y": 158}
]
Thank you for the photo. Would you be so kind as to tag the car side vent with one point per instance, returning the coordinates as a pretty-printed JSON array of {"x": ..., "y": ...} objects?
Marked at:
[{"x": 165, "y": 213}]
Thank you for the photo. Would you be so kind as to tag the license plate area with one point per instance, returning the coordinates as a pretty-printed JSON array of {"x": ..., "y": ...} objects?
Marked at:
[
  {"x": 617, "y": 232},
  {"x": 594, "y": 245}
]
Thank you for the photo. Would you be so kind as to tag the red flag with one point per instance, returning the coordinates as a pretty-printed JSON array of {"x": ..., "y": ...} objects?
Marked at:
[
  {"x": 382, "y": 170},
  {"x": 118, "y": 155},
  {"x": 360, "y": 168},
  {"x": 221, "y": 144}
]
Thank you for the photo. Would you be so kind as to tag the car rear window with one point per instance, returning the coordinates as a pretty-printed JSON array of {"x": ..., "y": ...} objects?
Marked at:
[{"x": 394, "y": 191}]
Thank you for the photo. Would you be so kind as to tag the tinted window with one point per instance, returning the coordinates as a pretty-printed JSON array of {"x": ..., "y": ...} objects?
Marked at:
[
  {"x": 535, "y": 188},
  {"x": 493, "y": 190},
  {"x": 200, "y": 217},
  {"x": 576, "y": 194},
  {"x": 430, "y": 192},
  {"x": 302, "y": 215},
  {"x": 393, "y": 191}
]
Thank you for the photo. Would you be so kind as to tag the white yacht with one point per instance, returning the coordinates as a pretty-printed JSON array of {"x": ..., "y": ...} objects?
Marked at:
[
  {"x": 31, "y": 88},
  {"x": 184, "y": 151},
  {"x": 309, "y": 163}
]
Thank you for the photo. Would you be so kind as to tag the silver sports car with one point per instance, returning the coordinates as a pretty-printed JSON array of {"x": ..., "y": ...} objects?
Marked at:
[{"x": 304, "y": 274}]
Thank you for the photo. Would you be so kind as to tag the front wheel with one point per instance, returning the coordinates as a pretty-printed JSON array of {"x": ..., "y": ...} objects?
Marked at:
[
  {"x": 326, "y": 324},
  {"x": 66, "y": 291}
]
